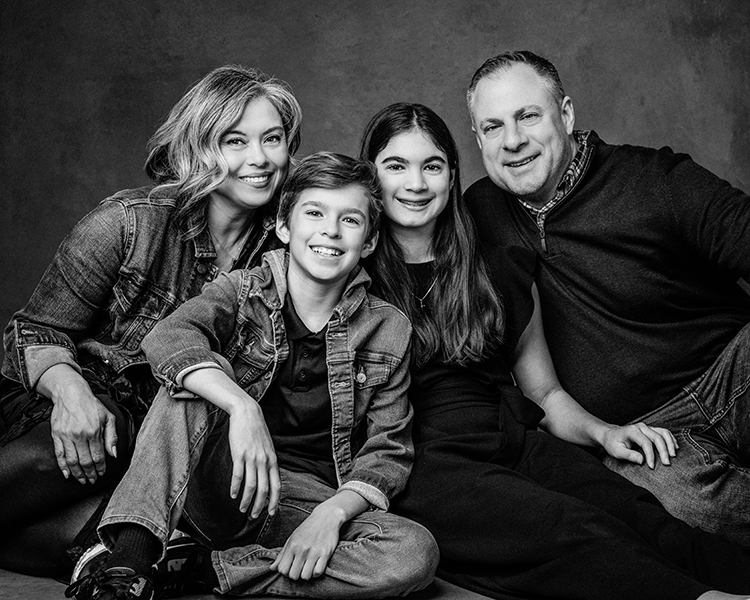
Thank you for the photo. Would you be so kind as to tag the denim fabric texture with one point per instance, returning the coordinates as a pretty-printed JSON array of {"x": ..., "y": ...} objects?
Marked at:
[
  {"x": 367, "y": 354},
  {"x": 182, "y": 469},
  {"x": 122, "y": 268},
  {"x": 708, "y": 483}
]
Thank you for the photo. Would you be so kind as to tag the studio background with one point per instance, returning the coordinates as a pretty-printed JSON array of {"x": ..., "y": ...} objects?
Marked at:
[{"x": 84, "y": 84}]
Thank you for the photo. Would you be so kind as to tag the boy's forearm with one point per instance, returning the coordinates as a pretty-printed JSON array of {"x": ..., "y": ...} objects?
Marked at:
[
  {"x": 342, "y": 507},
  {"x": 217, "y": 387}
]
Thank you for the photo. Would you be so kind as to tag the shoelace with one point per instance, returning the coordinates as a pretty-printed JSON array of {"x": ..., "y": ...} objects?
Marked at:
[{"x": 120, "y": 584}]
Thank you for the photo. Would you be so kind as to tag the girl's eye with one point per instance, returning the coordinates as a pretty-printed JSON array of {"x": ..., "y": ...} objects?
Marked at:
[
  {"x": 434, "y": 168},
  {"x": 351, "y": 220},
  {"x": 394, "y": 167}
]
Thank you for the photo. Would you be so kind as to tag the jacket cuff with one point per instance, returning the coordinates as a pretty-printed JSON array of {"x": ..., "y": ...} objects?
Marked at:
[
  {"x": 369, "y": 492},
  {"x": 175, "y": 388},
  {"x": 40, "y": 358}
]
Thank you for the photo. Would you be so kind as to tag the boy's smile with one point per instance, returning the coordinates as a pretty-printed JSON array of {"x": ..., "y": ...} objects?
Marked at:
[{"x": 327, "y": 233}]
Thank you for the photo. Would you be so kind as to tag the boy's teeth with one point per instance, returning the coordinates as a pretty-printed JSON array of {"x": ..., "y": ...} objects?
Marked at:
[{"x": 327, "y": 251}]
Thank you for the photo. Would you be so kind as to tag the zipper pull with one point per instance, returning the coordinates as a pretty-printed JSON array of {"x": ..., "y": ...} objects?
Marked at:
[{"x": 543, "y": 238}]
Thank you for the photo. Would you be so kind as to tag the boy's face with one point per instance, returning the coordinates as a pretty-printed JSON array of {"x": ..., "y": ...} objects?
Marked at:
[{"x": 327, "y": 233}]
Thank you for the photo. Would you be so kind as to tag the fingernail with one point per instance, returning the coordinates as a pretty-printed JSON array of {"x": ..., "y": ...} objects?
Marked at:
[
  {"x": 81, "y": 480},
  {"x": 114, "y": 451},
  {"x": 66, "y": 474}
]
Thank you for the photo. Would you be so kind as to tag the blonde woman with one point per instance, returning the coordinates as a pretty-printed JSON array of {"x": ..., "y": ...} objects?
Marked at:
[{"x": 75, "y": 383}]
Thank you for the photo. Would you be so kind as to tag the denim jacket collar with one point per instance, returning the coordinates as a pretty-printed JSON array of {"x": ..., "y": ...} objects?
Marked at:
[{"x": 273, "y": 296}]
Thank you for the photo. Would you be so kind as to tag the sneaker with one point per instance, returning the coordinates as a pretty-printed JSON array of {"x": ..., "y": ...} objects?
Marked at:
[
  {"x": 90, "y": 562},
  {"x": 116, "y": 583},
  {"x": 183, "y": 571}
]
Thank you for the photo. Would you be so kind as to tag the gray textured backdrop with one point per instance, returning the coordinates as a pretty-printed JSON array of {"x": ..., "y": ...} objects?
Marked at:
[{"x": 85, "y": 83}]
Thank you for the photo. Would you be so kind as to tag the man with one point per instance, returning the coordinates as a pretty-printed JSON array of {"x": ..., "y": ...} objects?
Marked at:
[{"x": 636, "y": 254}]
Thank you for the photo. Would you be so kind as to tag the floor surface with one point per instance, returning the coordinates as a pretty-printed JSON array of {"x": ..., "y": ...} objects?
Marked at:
[{"x": 22, "y": 587}]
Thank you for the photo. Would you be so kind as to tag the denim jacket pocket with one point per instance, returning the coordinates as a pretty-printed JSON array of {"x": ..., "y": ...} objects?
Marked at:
[
  {"x": 136, "y": 307},
  {"x": 255, "y": 355},
  {"x": 371, "y": 369}
]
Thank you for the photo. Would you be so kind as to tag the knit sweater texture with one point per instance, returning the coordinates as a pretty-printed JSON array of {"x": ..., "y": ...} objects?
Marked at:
[{"x": 639, "y": 279}]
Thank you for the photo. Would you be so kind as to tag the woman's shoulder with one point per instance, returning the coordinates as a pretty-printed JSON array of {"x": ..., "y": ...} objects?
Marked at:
[{"x": 141, "y": 197}]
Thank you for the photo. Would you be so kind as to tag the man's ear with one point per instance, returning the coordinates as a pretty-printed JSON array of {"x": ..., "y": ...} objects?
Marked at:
[
  {"x": 369, "y": 246},
  {"x": 476, "y": 137},
  {"x": 282, "y": 231},
  {"x": 568, "y": 114}
]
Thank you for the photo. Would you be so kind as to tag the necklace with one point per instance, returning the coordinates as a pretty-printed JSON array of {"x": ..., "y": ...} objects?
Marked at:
[
  {"x": 233, "y": 256},
  {"x": 427, "y": 293}
]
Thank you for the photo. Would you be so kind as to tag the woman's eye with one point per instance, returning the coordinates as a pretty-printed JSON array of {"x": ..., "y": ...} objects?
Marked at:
[
  {"x": 274, "y": 139},
  {"x": 234, "y": 141}
]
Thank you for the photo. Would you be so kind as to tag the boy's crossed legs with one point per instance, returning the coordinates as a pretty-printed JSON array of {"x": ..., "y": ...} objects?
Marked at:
[{"x": 379, "y": 554}]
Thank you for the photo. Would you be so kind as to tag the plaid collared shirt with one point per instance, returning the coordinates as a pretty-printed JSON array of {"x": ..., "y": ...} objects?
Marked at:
[{"x": 571, "y": 177}]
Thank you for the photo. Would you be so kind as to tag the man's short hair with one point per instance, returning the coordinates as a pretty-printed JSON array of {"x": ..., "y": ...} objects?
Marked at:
[
  {"x": 332, "y": 171},
  {"x": 544, "y": 68}
]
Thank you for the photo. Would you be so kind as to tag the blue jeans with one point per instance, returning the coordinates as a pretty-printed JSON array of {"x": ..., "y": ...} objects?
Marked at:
[
  {"x": 181, "y": 468},
  {"x": 708, "y": 483}
]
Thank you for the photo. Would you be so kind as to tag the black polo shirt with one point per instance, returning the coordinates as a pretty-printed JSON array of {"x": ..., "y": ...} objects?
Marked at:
[{"x": 297, "y": 405}]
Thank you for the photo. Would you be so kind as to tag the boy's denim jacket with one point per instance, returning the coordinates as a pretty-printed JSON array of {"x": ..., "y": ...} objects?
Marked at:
[
  {"x": 122, "y": 268},
  {"x": 367, "y": 353}
]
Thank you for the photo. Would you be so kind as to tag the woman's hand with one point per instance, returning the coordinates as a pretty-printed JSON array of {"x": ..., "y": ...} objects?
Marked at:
[
  {"x": 621, "y": 441},
  {"x": 83, "y": 430},
  {"x": 253, "y": 459}
]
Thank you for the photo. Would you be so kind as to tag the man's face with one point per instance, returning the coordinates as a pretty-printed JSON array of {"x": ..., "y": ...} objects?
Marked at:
[{"x": 523, "y": 133}]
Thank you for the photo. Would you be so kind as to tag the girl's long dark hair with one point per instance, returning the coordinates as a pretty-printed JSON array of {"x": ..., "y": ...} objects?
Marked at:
[{"x": 464, "y": 320}]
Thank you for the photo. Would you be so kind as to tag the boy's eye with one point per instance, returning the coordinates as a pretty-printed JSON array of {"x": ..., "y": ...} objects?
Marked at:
[{"x": 313, "y": 213}]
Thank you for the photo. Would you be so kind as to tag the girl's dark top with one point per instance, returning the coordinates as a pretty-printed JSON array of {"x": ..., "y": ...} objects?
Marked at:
[{"x": 461, "y": 402}]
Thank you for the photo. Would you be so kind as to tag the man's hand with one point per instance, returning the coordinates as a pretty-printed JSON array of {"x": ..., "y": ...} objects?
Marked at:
[{"x": 621, "y": 441}]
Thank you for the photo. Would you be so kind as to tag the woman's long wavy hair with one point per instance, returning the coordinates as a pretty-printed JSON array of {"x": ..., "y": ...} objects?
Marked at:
[
  {"x": 465, "y": 318},
  {"x": 185, "y": 159}
]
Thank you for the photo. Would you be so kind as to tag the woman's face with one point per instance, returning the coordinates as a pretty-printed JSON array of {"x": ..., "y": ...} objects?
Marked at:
[
  {"x": 416, "y": 181},
  {"x": 255, "y": 149}
]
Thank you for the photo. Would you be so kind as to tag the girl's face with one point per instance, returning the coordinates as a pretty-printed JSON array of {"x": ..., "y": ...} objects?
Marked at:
[
  {"x": 255, "y": 149},
  {"x": 416, "y": 181}
]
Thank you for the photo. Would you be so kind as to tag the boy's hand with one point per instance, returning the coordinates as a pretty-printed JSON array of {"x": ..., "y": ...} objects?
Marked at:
[
  {"x": 253, "y": 459},
  {"x": 307, "y": 551}
]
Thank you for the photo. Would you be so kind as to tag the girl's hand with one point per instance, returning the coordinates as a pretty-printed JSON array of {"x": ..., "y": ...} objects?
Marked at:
[
  {"x": 621, "y": 442},
  {"x": 253, "y": 459}
]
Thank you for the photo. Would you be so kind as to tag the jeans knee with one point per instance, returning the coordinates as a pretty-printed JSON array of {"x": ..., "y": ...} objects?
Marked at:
[{"x": 412, "y": 563}]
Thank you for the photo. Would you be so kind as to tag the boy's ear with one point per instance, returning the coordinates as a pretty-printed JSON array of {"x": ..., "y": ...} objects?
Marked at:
[
  {"x": 369, "y": 246},
  {"x": 282, "y": 231}
]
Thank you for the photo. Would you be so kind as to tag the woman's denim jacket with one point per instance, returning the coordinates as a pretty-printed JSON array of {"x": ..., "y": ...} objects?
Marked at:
[
  {"x": 367, "y": 354},
  {"x": 122, "y": 268}
]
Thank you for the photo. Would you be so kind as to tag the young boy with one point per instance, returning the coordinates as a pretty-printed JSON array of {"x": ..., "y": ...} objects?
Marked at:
[{"x": 283, "y": 427}]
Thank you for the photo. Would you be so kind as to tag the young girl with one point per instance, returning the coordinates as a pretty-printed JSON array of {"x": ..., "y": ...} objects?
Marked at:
[
  {"x": 75, "y": 383},
  {"x": 516, "y": 512}
]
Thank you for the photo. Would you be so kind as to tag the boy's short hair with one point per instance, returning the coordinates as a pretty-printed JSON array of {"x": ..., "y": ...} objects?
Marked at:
[{"x": 332, "y": 171}]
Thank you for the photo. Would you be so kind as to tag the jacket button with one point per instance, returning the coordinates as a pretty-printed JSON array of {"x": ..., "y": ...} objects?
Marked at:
[
  {"x": 361, "y": 377},
  {"x": 202, "y": 269}
]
